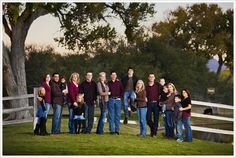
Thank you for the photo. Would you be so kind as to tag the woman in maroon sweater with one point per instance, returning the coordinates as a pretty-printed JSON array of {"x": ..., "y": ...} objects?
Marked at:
[
  {"x": 47, "y": 88},
  {"x": 73, "y": 88}
]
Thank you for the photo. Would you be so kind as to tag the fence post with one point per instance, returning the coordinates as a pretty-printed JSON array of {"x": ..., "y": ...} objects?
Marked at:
[{"x": 35, "y": 105}]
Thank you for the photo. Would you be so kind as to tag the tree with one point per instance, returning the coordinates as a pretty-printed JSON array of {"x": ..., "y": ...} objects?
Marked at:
[
  {"x": 203, "y": 29},
  {"x": 78, "y": 23}
]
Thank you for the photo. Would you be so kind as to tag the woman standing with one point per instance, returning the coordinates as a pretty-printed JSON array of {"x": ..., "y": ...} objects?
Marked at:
[
  {"x": 169, "y": 112},
  {"x": 47, "y": 88},
  {"x": 141, "y": 106},
  {"x": 186, "y": 114},
  {"x": 73, "y": 88},
  {"x": 104, "y": 93}
]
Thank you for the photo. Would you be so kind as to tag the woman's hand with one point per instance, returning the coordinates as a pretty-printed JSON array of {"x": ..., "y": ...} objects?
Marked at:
[
  {"x": 75, "y": 104},
  {"x": 181, "y": 109},
  {"x": 39, "y": 98}
]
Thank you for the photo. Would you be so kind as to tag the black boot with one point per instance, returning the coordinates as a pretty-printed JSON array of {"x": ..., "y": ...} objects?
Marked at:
[
  {"x": 37, "y": 128},
  {"x": 43, "y": 126},
  {"x": 125, "y": 121}
]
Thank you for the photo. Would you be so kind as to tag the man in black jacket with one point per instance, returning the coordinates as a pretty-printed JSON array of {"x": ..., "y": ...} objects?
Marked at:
[
  {"x": 89, "y": 89},
  {"x": 129, "y": 82},
  {"x": 57, "y": 103}
]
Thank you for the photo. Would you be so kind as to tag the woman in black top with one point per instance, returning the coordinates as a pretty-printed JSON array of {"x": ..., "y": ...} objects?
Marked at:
[{"x": 186, "y": 114}]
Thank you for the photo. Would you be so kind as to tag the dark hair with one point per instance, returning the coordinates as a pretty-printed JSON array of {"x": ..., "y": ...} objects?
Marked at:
[
  {"x": 187, "y": 91},
  {"x": 89, "y": 71},
  {"x": 113, "y": 71},
  {"x": 63, "y": 77},
  {"x": 178, "y": 96},
  {"x": 44, "y": 77},
  {"x": 55, "y": 73},
  {"x": 130, "y": 68}
]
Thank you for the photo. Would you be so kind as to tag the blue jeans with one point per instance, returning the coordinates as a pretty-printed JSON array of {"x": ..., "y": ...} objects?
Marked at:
[
  {"x": 179, "y": 130},
  {"x": 114, "y": 107},
  {"x": 153, "y": 108},
  {"x": 188, "y": 130},
  {"x": 128, "y": 94},
  {"x": 56, "y": 119},
  {"x": 101, "y": 121},
  {"x": 142, "y": 112},
  {"x": 71, "y": 119},
  {"x": 169, "y": 124},
  {"x": 47, "y": 108},
  {"x": 89, "y": 115}
]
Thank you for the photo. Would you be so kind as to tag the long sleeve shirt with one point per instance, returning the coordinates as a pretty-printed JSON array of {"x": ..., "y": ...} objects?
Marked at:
[
  {"x": 73, "y": 91},
  {"x": 90, "y": 92},
  {"x": 115, "y": 88}
]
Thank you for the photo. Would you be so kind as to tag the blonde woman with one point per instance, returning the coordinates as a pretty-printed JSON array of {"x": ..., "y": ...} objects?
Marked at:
[
  {"x": 141, "y": 106},
  {"x": 104, "y": 93},
  {"x": 73, "y": 88},
  {"x": 169, "y": 112}
]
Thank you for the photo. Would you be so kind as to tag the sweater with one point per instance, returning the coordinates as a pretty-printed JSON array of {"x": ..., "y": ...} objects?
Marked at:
[
  {"x": 103, "y": 96},
  {"x": 125, "y": 79},
  {"x": 170, "y": 102},
  {"x": 141, "y": 99},
  {"x": 73, "y": 92},
  {"x": 56, "y": 93},
  {"x": 48, "y": 92},
  {"x": 90, "y": 92}
]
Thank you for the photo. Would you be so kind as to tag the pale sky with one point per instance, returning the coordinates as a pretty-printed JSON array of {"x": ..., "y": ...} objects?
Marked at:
[{"x": 47, "y": 27}]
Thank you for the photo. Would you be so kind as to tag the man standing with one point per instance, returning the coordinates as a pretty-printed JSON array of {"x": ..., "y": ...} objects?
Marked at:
[
  {"x": 129, "y": 83},
  {"x": 153, "y": 92},
  {"x": 57, "y": 102},
  {"x": 89, "y": 89},
  {"x": 114, "y": 105}
]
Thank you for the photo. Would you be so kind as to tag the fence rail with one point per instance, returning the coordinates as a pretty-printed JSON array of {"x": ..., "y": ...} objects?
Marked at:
[{"x": 194, "y": 102}]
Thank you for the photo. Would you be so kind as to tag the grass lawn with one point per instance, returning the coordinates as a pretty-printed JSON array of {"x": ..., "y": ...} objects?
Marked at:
[{"x": 20, "y": 140}]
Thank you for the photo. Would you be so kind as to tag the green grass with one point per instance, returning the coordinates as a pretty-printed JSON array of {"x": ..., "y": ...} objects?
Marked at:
[{"x": 20, "y": 140}]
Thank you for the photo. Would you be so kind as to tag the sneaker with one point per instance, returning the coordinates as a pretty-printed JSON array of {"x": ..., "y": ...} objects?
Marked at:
[{"x": 179, "y": 140}]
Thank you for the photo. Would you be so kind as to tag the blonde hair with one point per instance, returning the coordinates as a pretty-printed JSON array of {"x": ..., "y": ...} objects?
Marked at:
[
  {"x": 71, "y": 76},
  {"x": 41, "y": 91},
  {"x": 137, "y": 89},
  {"x": 100, "y": 74},
  {"x": 80, "y": 95},
  {"x": 172, "y": 85}
]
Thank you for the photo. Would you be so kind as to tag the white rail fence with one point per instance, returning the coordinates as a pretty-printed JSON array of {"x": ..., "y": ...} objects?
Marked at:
[{"x": 195, "y": 103}]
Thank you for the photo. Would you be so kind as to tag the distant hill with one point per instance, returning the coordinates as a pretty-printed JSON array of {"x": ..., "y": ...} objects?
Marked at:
[{"x": 213, "y": 65}]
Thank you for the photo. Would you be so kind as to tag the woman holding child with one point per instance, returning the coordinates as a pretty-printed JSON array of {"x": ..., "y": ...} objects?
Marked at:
[
  {"x": 169, "y": 112},
  {"x": 73, "y": 92}
]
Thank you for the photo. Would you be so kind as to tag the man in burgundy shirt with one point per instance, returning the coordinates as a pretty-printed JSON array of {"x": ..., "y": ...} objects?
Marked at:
[
  {"x": 153, "y": 92},
  {"x": 114, "y": 104}
]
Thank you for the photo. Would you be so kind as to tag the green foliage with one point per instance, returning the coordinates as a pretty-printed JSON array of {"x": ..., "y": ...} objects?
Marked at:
[{"x": 201, "y": 28}]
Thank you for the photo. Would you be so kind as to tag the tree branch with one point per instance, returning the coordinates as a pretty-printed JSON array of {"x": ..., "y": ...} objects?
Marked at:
[{"x": 6, "y": 27}]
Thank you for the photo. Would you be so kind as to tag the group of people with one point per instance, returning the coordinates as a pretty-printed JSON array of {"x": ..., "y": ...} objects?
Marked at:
[{"x": 149, "y": 101}]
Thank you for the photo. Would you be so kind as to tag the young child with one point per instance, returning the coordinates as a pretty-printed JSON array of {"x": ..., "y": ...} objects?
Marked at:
[
  {"x": 164, "y": 97},
  {"x": 79, "y": 112},
  {"x": 64, "y": 89},
  {"x": 40, "y": 128},
  {"x": 178, "y": 118}
]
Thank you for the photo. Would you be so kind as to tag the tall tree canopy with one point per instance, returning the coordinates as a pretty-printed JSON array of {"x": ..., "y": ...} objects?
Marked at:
[
  {"x": 201, "y": 28},
  {"x": 80, "y": 24}
]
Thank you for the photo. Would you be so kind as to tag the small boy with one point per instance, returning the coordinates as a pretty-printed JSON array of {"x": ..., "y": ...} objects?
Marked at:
[
  {"x": 78, "y": 112},
  {"x": 41, "y": 128},
  {"x": 64, "y": 89},
  {"x": 164, "y": 97},
  {"x": 178, "y": 118}
]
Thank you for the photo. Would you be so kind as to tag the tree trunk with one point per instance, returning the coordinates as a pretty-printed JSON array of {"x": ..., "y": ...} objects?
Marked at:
[
  {"x": 14, "y": 73},
  {"x": 220, "y": 62}
]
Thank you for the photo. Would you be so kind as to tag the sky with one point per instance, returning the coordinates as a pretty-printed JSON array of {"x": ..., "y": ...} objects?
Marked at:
[{"x": 46, "y": 28}]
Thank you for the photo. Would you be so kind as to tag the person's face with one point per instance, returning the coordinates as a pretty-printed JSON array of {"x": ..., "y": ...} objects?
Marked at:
[
  {"x": 185, "y": 94},
  {"x": 102, "y": 77},
  {"x": 151, "y": 78},
  {"x": 74, "y": 78},
  {"x": 79, "y": 99},
  {"x": 113, "y": 76},
  {"x": 170, "y": 89},
  {"x": 177, "y": 99},
  {"x": 162, "y": 82},
  {"x": 48, "y": 78},
  {"x": 56, "y": 78},
  {"x": 165, "y": 89},
  {"x": 130, "y": 72},
  {"x": 89, "y": 76},
  {"x": 63, "y": 80},
  {"x": 139, "y": 84}
]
